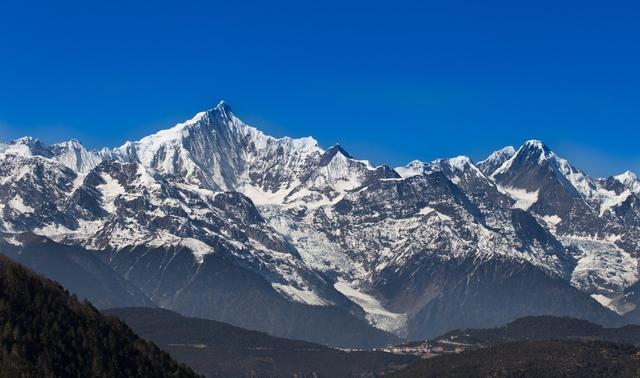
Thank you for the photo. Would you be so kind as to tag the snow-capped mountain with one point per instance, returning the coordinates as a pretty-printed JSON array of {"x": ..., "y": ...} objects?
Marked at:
[
  {"x": 596, "y": 219},
  {"x": 215, "y": 219},
  {"x": 629, "y": 181}
]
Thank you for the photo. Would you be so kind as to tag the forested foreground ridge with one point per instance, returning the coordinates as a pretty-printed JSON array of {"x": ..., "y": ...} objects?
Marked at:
[{"x": 45, "y": 332}]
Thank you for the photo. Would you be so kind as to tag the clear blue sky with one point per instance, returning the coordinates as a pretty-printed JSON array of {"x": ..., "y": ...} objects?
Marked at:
[{"x": 391, "y": 81}]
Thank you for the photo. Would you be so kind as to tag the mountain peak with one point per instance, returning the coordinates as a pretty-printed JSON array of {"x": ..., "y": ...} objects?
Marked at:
[
  {"x": 332, "y": 152},
  {"x": 223, "y": 108},
  {"x": 629, "y": 180},
  {"x": 338, "y": 148},
  {"x": 71, "y": 143},
  {"x": 26, "y": 141},
  {"x": 450, "y": 166},
  {"x": 498, "y": 154},
  {"x": 626, "y": 177},
  {"x": 25, "y": 146},
  {"x": 507, "y": 150},
  {"x": 536, "y": 150},
  {"x": 532, "y": 151},
  {"x": 73, "y": 154},
  {"x": 535, "y": 144},
  {"x": 460, "y": 162},
  {"x": 414, "y": 168}
]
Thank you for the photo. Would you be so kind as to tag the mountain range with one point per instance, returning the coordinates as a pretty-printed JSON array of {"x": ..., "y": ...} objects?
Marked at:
[{"x": 214, "y": 219}]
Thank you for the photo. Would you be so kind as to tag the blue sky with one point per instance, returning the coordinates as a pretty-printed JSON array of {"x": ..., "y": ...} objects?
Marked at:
[{"x": 390, "y": 81}]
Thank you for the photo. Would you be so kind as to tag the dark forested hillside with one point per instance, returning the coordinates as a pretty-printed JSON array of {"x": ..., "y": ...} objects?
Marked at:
[
  {"x": 556, "y": 358},
  {"x": 221, "y": 350},
  {"x": 45, "y": 332}
]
